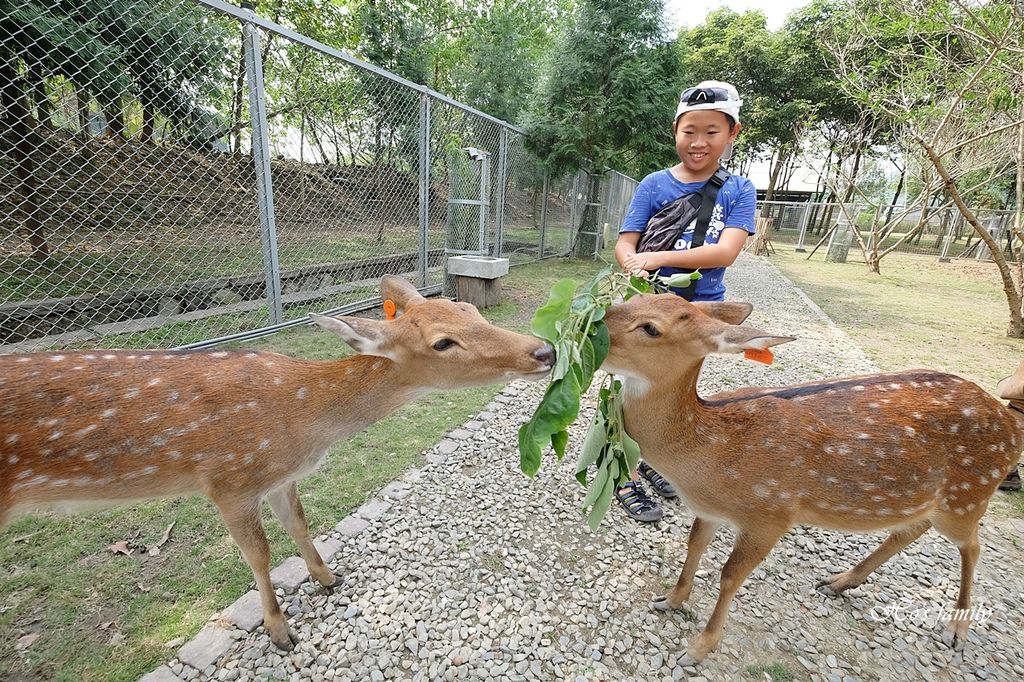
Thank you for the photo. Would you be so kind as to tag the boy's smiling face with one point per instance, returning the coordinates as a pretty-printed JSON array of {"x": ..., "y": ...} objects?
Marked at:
[{"x": 701, "y": 139}]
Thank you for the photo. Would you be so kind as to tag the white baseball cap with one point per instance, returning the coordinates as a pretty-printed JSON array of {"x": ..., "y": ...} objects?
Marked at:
[{"x": 710, "y": 95}]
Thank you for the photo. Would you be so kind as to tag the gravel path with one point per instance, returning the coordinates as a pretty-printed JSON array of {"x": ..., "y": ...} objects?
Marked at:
[{"x": 479, "y": 573}]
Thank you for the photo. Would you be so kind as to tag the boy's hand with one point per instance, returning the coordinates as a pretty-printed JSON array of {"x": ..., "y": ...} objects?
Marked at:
[{"x": 636, "y": 263}]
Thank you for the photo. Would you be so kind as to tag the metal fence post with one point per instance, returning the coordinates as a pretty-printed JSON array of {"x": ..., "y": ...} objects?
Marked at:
[
  {"x": 543, "y": 215},
  {"x": 800, "y": 248},
  {"x": 499, "y": 209},
  {"x": 424, "y": 185},
  {"x": 261, "y": 161},
  {"x": 572, "y": 210}
]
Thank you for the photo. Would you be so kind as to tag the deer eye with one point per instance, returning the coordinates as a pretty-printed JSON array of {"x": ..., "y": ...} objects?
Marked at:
[
  {"x": 651, "y": 330},
  {"x": 443, "y": 344}
]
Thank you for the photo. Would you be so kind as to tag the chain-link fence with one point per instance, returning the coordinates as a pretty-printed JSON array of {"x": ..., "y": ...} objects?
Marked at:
[
  {"x": 175, "y": 172},
  {"x": 940, "y": 232}
]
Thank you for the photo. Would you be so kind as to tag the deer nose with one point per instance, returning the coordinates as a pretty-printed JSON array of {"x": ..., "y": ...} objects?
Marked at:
[{"x": 545, "y": 354}]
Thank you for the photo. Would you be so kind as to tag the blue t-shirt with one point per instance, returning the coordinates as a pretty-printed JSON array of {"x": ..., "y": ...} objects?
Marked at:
[{"x": 734, "y": 207}]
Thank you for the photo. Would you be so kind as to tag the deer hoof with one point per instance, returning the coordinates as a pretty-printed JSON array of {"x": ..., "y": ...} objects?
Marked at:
[
  {"x": 833, "y": 586},
  {"x": 286, "y": 643},
  {"x": 662, "y": 604},
  {"x": 953, "y": 637}
]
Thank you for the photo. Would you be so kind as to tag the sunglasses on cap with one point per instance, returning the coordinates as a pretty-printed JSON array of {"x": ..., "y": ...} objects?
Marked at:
[{"x": 694, "y": 96}]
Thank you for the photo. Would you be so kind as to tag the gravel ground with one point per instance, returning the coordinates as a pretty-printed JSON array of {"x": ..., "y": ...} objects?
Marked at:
[{"x": 480, "y": 573}]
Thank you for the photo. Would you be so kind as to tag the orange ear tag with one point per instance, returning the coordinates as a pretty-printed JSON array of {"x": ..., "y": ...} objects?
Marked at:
[
  {"x": 389, "y": 309},
  {"x": 763, "y": 356}
]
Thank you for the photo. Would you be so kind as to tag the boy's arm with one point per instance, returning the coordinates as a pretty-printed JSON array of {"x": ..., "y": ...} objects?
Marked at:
[
  {"x": 720, "y": 255},
  {"x": 625, "y": 248}
]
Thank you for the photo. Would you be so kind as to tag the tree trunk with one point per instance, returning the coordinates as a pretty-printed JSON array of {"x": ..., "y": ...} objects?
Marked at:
[
  {"x": 82, "y": 107},
  {"x": 773, "y": 179},
  {"x": 896, "y": 194},
  {"x": 148, "y": 122},
  {"x": 23, "y": 143},
  {"x": 1015, "y": 328}
]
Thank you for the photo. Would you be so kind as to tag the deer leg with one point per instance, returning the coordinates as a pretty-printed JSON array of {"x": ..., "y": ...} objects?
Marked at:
[
  {"x": 955, "y": 634},
  {"x": 287, "y": 507},
  {"x": 897, "y": 541},
  {"x": 243, "y": 522},
  {"x": 749, "y": 551},
  {"x": 701, "y": 533}
]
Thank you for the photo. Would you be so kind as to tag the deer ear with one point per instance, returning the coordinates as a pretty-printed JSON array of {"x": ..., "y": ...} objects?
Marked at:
[
  {"x": 366, "y": 337},
  {"x": 400, "y": 291},
  {"x": 731, "y": 312},
  {"x": 736, "y": 339}
]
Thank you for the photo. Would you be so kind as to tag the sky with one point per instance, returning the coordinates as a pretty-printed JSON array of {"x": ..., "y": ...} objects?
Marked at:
[{"x": 692, "y": 12}]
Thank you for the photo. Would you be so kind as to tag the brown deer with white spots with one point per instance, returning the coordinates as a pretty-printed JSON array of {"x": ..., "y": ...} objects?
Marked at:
[
  {"x": 905, "y": 451},
  {"x": 102, "y": 427}
]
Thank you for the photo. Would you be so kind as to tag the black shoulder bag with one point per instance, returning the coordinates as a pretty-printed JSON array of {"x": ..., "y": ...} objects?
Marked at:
[{"x": 668, "y": 224}]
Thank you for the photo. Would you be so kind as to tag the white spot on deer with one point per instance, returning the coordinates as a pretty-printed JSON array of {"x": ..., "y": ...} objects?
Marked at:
[
  {"x": 13, "y": 459},
  {"x": 108, "y": 413},
  {"x": 982, "y": 480},
  {"x": 959, "y": 511},
  {"x": 148, "y": 470},
  {"x": 56, "y": 358},
  {"x": 863, "y": 436},
  {"x": 78, "y": 368},
  {"x": 131, "y": 393},
  {"x": 971, "y": 506},
  {"x": 377, "y": 364},
  {"x": 874, "y": 406},
  {"x": 264, "y": 444},
  {"x": 167, "y": 357},
  {"x": 248, "y": 459},
  {"x": 158, "y": 441},
  {"x": 301, "y": 393},
  {"x": 994, "y": 448},
  {"x": 995, "y": 473},
  {"x": 858, "y": 388},
  {"x": 219, "y": 354},
  {"x": 199, "y": 456},
  {"x": 277, "y": 381},
  {"x": 23, "y": 358},
  {"x": 861, "y": 511},
  {"x": 173, "y": 397},
  {"x": 86, "y": 431},
  {"x": 12, "y": 438},
  {"x": 895, "y": 386},
  {"x": 784, "y": 495},
  {"x": 250, "y": 355},
  {"x": 797, "y": 461},
  {"x": 174, "y": 454},
  {"x": 968, "y": 412},
  {"x": 150, "y": 418},
  {"x": 268, "y": 363},
  {"x": 155, "y": 381},
  {"x": 90, "y": 356},
  {"x": 832, "y": 479},
  {"x": 761, "y": 491},
  {"x": 55, "y": 435},
  {"x": 911, "y": 431}
]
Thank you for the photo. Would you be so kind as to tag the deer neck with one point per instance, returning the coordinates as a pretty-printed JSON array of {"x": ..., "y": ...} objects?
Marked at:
[
  {"x": 346, "y": 396},
  {"x": 661, "y": 414}
]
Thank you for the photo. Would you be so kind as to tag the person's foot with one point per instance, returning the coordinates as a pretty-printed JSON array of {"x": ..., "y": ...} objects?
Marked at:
[
  {"x": 657, "y": 481},
  {"x": 1012, "y": 480},
  {"x": 637, "y": 503}
]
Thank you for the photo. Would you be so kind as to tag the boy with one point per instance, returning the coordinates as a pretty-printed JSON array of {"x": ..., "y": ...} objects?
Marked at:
[{"x": 705, "y": 127}]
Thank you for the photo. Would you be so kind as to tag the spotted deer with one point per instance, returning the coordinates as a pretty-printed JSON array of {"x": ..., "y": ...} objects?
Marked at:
[
  {"x": 239, "y": 427},
  {"x": 905, "y": 451}
]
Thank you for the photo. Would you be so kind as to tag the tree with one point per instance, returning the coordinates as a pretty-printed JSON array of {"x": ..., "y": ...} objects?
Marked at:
[
  {"x": 608, "y": 97},
  {"x": 950, "y": 76}
]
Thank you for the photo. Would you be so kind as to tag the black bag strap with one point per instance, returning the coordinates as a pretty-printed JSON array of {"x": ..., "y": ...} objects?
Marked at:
[{"x": 708, "y": 194}]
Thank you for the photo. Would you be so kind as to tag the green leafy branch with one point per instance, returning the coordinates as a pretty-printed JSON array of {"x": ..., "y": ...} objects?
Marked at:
[{"x": 573, "y": 322}]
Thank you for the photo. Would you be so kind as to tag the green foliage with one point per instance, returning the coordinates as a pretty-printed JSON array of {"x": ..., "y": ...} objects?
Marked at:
[
  {"x": 609, "y": 92},
  {"x": 160, "y": 54},
  {"x": 572, "y": 321}
]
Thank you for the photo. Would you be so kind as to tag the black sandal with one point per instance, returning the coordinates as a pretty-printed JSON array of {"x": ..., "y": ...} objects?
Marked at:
[
  {"x": 638, "y": 505},
  {"x": 1012, "y": 480},
  {"x": 660, "y": 484}
]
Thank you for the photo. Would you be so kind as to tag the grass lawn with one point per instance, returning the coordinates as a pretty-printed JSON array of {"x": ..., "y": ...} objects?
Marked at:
[{"x": 74, "y": 610}]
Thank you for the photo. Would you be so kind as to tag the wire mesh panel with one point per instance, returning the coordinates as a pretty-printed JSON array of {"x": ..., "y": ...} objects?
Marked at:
[
  {"x": 123, "y": 204},
  {"x": 345, "y": 168},
  {"x": 177, "y": 171}
]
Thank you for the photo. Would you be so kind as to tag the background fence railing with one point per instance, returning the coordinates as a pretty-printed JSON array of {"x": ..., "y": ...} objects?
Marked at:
[
  {"x": 943, "y": 233},
  {"x": 178, "y": 172}
]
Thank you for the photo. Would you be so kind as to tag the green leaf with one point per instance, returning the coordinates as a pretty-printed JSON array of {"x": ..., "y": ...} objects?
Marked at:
[
  {"x": 596, "y": 487},
  {"x": 556, "y": 411},
  {"x": 632, "y": 451},
  {"x": 559, "y": 440},
  {"x": 593, "y": 445},
  {"x": 556, "y": 309}
]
